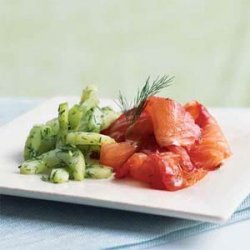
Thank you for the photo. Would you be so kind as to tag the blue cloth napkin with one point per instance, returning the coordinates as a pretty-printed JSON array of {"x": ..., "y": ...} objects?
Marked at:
[{"x": 38, "y": 224}]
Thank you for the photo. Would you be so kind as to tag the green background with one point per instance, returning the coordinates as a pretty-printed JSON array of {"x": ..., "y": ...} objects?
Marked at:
[{"x": 50, "y": 48}]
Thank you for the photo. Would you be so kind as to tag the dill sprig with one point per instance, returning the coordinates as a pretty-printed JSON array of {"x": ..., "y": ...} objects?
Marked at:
[
  {"x": 123, "y": 103},
  {"x": 134, "y": 109}
]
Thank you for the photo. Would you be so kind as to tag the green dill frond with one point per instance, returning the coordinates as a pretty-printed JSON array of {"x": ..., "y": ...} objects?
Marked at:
[
  {"x": 123, "y": 103},
  {"x": 138, "y": 105}
]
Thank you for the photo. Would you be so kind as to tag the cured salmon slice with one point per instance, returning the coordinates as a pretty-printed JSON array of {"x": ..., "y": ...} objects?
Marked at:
[
  {"x": 172, "y": 124},
  {"x": 125, "y": 129},
  {"x": 116, "y": 154},
  {"x": 212, "y": 148}
]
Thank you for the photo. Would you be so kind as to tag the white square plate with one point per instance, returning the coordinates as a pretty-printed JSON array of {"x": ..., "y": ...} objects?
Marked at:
[{"x": 213, "y": 199}]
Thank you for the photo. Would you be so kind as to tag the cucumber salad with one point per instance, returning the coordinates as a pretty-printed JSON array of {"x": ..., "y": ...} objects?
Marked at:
[{"x": 68, "y": 146}]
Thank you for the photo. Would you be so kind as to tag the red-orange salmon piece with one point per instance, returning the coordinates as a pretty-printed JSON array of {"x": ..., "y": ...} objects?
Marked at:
[
  {"x": 117, "y": 129},
  {"x": 160, "y": 171},
  {"x": 185, "y": 161},
  {"x": 168, "y": 174},
  {"x": 212, "y": 148},
  {"x": 116, "y": 154},
  {"x": 123, "y": 128},
  {"x": 136, "y": 168},
  {"x": 143, "y": 168},
  {"x": 191, "y": 174},
  {"x": 165, "y": 171},
  {"x": 141, "y": 128},
  {"x": 134, "y": 162},
  {"x": 172, "y": 124},
  {"x": 194, "y": 176}
]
